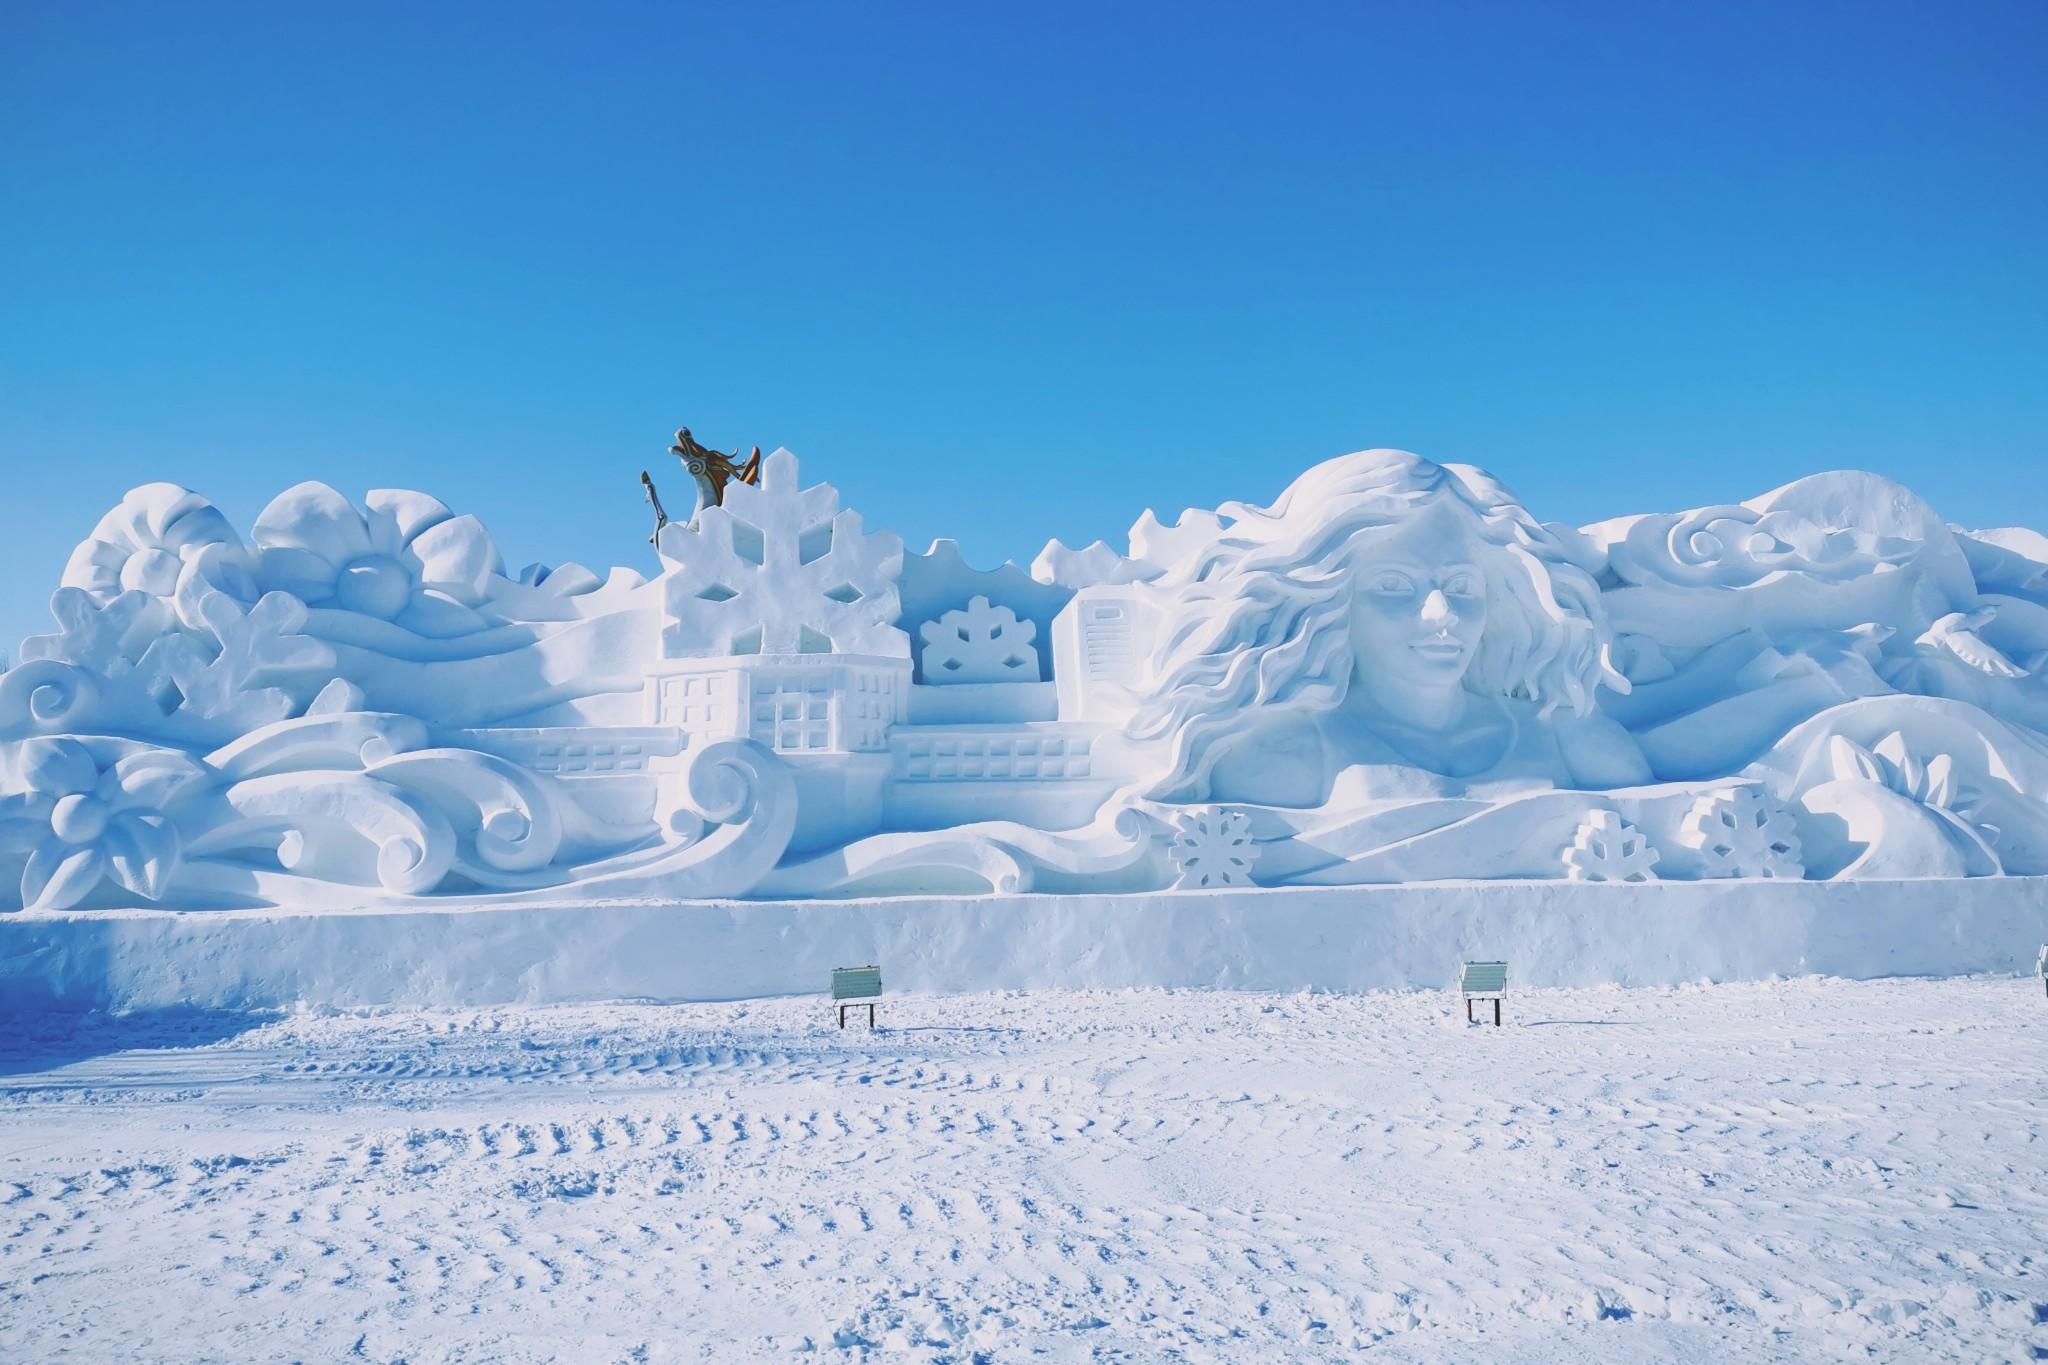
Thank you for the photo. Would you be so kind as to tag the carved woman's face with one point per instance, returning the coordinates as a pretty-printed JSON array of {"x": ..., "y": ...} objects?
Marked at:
[{"x": 1418, "y": 604}]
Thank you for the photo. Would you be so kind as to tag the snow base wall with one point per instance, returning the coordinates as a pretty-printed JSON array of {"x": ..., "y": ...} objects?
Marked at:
[{"x": 1349, "y": 938}]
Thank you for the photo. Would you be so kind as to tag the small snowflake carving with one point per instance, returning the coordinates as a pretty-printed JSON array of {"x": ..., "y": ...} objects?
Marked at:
[
  {"x": 1742, "y": 832},
  {"x": 780, "y": 569},
  {"x": 1608, "y": 848},
  {"x": 1211, "y": 847},
  {"x": 979, "y": 643}
]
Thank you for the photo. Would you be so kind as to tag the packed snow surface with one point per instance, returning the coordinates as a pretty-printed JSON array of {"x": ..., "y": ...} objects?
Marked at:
[{"x": 1786, "y": 1170}]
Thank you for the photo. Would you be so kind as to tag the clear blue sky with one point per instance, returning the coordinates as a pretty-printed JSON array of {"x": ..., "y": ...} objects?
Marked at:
[{"x": 1006, "y": 272}]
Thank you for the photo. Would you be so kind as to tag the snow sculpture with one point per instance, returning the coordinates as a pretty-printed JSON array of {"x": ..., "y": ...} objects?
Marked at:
[
  {"x": 1742, "y": 832},
  {"x": 780, "y": 625},
  {"x": 940, "y": 579},
  {"x": 1099, "y": 646},
  {"x": 1212, "y": 848},
  {"x": 252, "y": 649},
  {"x": 1907, "y": 817},
  {"x": 402, "y": 557},
  {"x": 1609, "y": 849},
  {"x": 1392, "y": 672},
  {"x": 979, "y": 644},
  {"x": 776, "y": 569},
  {"x": 1388, "y": 627},
  {"x": 158, "y": 537},
  {"x": 85, "y": 824},
  {"x": 1956, "y": 635},
  {"x": 1155, "y": 548}
]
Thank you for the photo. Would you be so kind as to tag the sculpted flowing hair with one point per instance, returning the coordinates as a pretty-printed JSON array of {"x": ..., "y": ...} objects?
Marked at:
[{"x": 1259, "y": 616}]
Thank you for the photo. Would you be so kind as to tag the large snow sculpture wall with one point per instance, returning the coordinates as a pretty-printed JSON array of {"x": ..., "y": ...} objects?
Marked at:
[{"x": 1394, "y": 672}]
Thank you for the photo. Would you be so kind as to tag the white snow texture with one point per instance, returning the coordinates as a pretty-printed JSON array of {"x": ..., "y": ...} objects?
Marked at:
[
  {"x": 1806, "y": 1170},
  {"x": 1394, "y": 673}
]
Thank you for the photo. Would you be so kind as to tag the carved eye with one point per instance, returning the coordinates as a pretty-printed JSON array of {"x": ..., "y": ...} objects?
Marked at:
[
  {"x": 1462, "y": 584},
  {"x": 1392, "y": 583}
]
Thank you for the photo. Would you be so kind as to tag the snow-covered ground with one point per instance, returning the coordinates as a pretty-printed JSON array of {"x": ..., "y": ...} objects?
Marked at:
[{"x": 1769, "y": 1171}]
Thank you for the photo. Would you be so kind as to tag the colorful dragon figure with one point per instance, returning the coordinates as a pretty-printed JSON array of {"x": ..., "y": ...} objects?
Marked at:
[{"x": 712, "y": 470}]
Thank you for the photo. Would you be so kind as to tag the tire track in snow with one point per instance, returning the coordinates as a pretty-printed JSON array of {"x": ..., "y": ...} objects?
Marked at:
[{"x": 1288, "y": 1177}]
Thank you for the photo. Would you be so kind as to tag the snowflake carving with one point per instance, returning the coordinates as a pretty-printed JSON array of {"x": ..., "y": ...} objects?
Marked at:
[
  {"x": 979, "y": 643},
  {"x": 1211, "y": 847},
  {"x": 1742, "y": 832},
  {"x": 780, "y": 570},
  {"x": 1608, "y": 848}
]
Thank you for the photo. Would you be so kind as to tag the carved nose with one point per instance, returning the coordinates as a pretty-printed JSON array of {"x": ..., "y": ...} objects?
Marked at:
[{"x": 1436, "y": 608}]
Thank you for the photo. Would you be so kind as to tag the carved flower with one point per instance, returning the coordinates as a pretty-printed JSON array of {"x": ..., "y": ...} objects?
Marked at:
[
  {"x": 157, "y": 539},
  {"x": 1932, "y": 785},
  {"x": 83, "y": 824},
  {"x": 401, "y": 557}
]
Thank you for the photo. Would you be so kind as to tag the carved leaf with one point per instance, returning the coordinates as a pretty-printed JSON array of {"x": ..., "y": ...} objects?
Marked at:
[
  {"x": 260, "y": 647},
  {"x": 105, "y": 637},
  {"x": 153, "y": 778},
  {"x": 142, "y": 852},
  {"x": 1904, "y": 774},
  {"x": 1940, "y": 788},
  {"x": 1850, "y": 761},
  {"x": 60, "y": 875},
  {"x": 57, "y": 765}
]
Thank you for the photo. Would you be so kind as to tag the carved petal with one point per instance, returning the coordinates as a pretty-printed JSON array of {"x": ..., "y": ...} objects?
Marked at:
[
  {"x": 142, "y": 852},
  {"x": 226, "y": 568},
  {"x": 397, "y": 515},
  {"x": 151, "y": 779},
  {"x": 439, "y": 617},
  {"x": 56, "y": 766},
  {"x": 1850, "y": 761},
  {"x": 457, "y": 557},
  {"x": 60, "y": 875},
  {"x": 303, "y": 574},
  {"x": 24, "y": 820},
  {"x": 1892, "y": 749},
  {"x": 95, "y": 568},
  {"x": 1941, "y": 782},
  {"x": 311, "y": 516},
  {"x": 147, "y": 534}
]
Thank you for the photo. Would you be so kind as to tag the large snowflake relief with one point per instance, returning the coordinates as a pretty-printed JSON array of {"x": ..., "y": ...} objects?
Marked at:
[{"x": 779, "y": 569}]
